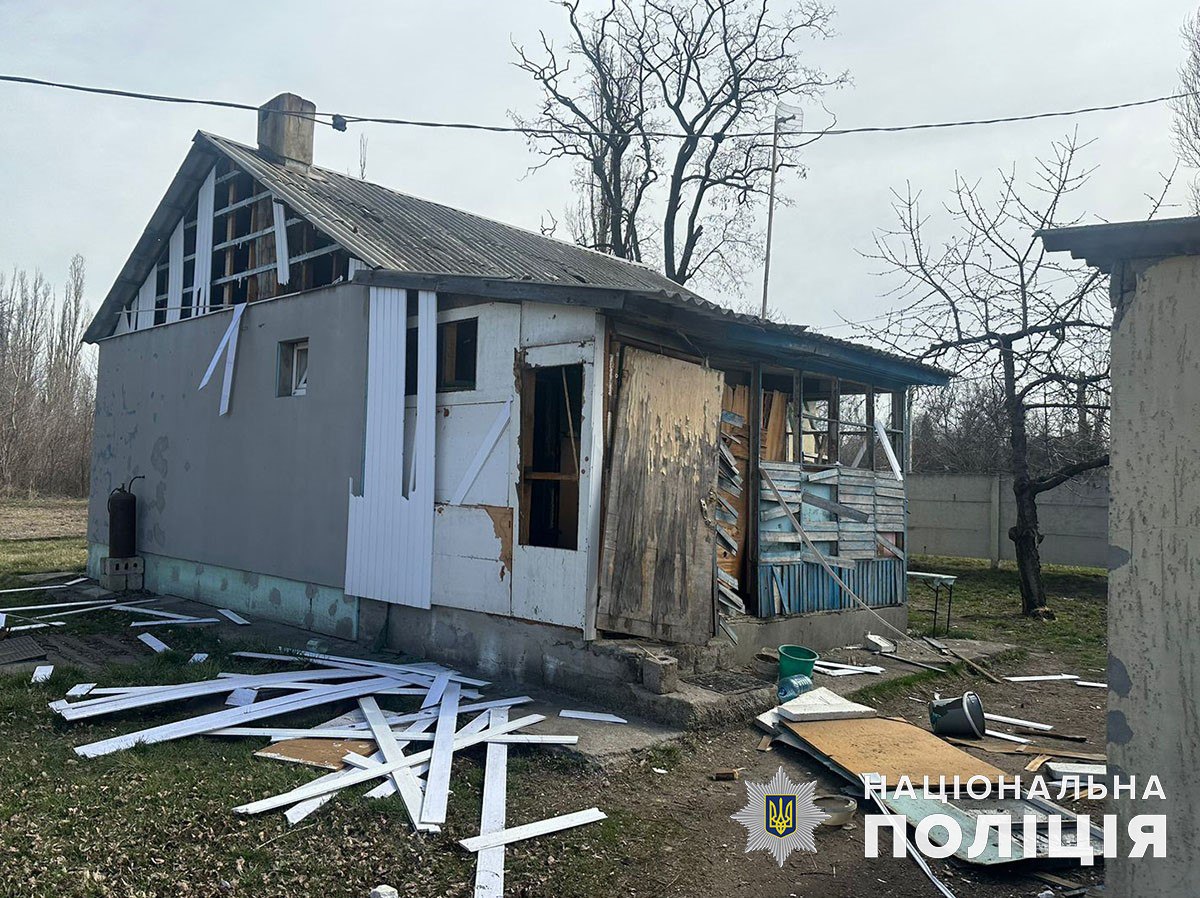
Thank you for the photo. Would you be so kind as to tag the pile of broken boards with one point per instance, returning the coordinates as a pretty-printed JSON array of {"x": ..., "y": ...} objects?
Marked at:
[
  {"x": 856, "y": 744},
  {"x": 365, "y": 745}
]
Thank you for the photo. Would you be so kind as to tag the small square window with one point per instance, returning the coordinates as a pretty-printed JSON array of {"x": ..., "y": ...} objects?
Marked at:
[
  {"x": 293, "y": 368},
  {"x": 457, "y": 348}
]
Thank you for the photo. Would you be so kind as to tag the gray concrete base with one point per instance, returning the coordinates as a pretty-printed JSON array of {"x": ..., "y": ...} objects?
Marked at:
[
  {"x": 820, "y": 631},
  {"x": 608, "y": 671}
]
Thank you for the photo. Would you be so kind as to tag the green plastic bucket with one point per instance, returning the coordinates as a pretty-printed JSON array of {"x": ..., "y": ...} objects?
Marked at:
[{"x": 796, "y": 659}]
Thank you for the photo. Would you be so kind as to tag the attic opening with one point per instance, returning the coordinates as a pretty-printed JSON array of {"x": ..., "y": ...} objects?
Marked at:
[
  {"x": 249, "y": 232},
  {"x": 551, "y": 418}
]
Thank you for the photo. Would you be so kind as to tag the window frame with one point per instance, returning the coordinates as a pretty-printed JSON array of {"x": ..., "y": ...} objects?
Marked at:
[{"x": 299, "y": 386}]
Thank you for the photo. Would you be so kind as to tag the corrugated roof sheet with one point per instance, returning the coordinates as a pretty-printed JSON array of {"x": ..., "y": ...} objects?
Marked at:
[
  {"x": 397, "y": 232},
  {"x": 392, "y": 230}
]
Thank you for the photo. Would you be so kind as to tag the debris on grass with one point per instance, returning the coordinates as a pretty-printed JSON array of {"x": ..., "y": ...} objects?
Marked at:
[{"x": 421, "y": 778}]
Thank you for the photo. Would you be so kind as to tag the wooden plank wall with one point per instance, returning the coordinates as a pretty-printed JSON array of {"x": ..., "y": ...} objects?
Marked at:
[
  {"x": 656, "y": 575},
  {"x": 788, "y": 582}
]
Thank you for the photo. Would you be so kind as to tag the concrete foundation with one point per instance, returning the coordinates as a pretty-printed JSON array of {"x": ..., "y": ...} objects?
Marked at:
[
  {"x": 820, "y": 631},
  {"x": 309, "y": 605}
]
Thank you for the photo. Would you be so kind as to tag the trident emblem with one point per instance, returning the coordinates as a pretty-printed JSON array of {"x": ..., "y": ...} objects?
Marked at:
[{"x": 781, "y": 815}]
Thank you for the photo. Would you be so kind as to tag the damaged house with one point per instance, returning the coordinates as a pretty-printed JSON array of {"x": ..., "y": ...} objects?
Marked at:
[{"x": 388, "y": 420}]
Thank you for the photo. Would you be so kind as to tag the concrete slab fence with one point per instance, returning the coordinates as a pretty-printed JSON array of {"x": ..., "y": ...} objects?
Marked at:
[{"x": 968, "y": 515}]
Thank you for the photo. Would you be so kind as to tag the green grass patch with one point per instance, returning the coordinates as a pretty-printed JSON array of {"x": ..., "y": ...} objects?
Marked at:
[
  {"x": 987, "y": 605},
  {"x": 33, "y": 556}
]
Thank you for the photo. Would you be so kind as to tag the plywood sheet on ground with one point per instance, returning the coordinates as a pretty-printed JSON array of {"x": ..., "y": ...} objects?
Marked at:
[
  {"x": 891, "y": 748},
  {"x": 324, "y": 753}
]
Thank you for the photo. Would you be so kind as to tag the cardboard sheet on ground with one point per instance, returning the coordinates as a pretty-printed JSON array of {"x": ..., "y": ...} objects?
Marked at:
[
  {"x": 324, "y": 753},
  {"x": 891, "y": 748}
]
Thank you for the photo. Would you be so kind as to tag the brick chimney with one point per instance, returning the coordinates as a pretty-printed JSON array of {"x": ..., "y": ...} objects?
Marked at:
[{"x": 285, "y": 130}]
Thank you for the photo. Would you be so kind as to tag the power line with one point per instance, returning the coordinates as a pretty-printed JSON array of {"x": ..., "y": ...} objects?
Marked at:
[{"x": 341, "y": 120}]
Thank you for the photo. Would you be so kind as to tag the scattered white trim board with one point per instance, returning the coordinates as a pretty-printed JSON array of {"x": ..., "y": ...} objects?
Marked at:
[
  {"x": 245, "y": 695},
  {"x": 171, "y": 623},
  {"x": 45, "y": 588},
  {"x": 489, "y": 863},
  {"x": 153, "y": 612},
  {"x": 531, "y": 830},
  {"x": 437, "y": 690},
  {"x": 198, "y": 658},
  {"x": 592, "y": 715},
  {"x": 1090, "y": 684},
  {"x": 1041, "y": 678},
  {"x": 1058, "y": 770},
  {"x": 154, "y": 642},
  {"x": 208, "y": 722},
  {"x": 1018, "y": 722},
  {"x": 42, "y": 673},
  {"x": 155, "y": 695},
  {"x": 234, "y": 616},
  {"x": 404, "y": 780},
  {"x": 437, "y": 785},
  {"x": 313, "y": 789},
  {"x": 1006, "y": 737},
  {"x": 822, "y": 704},
  {"x": 80, "y": 689}
]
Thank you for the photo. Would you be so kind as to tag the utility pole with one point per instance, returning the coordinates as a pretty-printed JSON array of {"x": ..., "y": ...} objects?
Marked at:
[{"x": 779, "y": 120}]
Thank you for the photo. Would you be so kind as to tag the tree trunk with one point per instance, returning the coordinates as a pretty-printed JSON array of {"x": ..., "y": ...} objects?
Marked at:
[{"x": 1025, "y": 534}]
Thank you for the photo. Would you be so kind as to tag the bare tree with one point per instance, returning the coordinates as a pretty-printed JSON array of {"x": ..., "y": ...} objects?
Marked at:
[
  {"x": 1186, "y": 126},
  {"x": 599, "y": 120},
  {"x": 47, "y": 386},
  {"x": 991, "y": 305},
  {"x": 362, "y": 157},
  {"x": 673, "y": 103}
]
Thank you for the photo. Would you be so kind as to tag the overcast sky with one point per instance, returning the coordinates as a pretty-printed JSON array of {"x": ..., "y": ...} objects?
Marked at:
[{"x": 83, "y": 173}]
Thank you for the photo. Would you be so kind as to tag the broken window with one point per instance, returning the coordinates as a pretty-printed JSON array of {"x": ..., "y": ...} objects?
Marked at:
[
  {"x": 854, "y": 437},
  {"x": 457, "y": 351},
  {"x": 551, "y": 418},
  {"x": 818, "y": 433},
  {"x": 160, "y": 291},
  {"x": 293, "y": 368}
]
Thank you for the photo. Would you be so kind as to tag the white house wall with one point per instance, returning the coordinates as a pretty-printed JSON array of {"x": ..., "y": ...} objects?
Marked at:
[
  {"x": 477, "y": 563},
  {"x": 552, "y": 585}
]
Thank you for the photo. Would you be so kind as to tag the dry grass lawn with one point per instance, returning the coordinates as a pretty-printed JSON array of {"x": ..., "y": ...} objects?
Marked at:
[{"x": 42, "y": 518}]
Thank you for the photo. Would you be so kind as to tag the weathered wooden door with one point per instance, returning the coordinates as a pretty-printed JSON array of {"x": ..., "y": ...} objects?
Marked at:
[{"x": 656, "y": 564}]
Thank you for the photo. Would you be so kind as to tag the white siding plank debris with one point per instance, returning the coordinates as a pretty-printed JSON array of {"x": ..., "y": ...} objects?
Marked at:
[
  {"x": 437, "y": 788},
  {"x": 155, "y": 643},
  {"x": 529, "y": 830},
  {"x": 489, "y": 864}
]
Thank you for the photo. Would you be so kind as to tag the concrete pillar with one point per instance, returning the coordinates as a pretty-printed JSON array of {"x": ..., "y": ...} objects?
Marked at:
[{"x": 1154, "y": 602}]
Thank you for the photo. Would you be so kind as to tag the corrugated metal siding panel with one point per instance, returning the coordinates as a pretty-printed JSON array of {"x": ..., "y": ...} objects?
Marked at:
[{"x": 806, "y": 586}]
